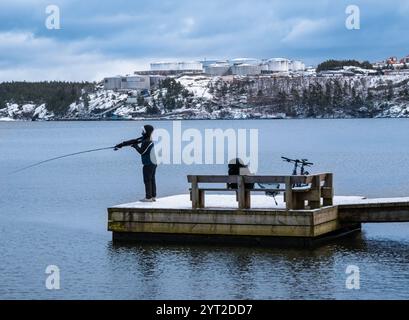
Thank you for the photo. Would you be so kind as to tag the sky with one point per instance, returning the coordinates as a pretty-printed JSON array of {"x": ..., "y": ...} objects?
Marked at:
[{"x": 99, "y": 38}]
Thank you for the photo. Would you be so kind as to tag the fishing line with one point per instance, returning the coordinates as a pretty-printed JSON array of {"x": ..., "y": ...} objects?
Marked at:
[{"x": 61, "y": 157}]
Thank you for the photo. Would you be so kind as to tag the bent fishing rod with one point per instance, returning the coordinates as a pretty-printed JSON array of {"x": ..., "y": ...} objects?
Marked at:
[{"x": 61, "y": 157}]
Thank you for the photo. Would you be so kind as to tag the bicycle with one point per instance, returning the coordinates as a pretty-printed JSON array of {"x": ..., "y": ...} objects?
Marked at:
[{"x": 298, "y": 164}]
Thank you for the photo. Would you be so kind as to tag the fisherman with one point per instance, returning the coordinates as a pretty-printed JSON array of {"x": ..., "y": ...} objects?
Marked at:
[{"x": 146, "y": 149}]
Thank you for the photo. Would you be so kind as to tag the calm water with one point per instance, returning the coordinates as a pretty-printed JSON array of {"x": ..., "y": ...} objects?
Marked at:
[{"x": 56, "y": 215}]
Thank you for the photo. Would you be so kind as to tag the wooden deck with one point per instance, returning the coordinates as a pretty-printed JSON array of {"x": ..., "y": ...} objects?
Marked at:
[
  {"x": 255, "y": 226},
  {"x": 382, "y": 212}
]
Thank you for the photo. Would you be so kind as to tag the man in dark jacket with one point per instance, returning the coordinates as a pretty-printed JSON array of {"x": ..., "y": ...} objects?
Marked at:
[{"x": 145, "y": 148}]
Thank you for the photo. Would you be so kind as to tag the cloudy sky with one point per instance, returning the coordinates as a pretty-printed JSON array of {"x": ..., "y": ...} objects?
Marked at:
[{"x": 105, "y": 37}]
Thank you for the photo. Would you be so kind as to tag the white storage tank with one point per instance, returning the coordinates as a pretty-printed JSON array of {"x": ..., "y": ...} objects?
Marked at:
[
  {"x": 176, "y": 66},
  {"x": 164, "y": 66},
  {"x": 246, "y": 70},
  {"x": 218, "y": 69},
  {"x": 296, "y": 65},
  {"x": 192, "y": 66},
  {"x": 264, "y": 66},
  {"x": 278, "y": 65},
  {"x": 239, "y": 61}
]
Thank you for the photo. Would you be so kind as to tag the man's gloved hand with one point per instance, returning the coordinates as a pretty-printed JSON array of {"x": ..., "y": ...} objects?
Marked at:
[{"x": 117, "y": 147}]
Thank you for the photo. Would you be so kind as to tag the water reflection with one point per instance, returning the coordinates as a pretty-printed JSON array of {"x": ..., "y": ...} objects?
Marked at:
[{"x": 208, "y": 272}]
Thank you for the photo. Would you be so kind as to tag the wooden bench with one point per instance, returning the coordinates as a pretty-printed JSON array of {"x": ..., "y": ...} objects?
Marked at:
[{"x": 318, "y": 187}]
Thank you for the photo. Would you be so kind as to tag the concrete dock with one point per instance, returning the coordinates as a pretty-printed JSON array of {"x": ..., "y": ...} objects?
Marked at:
[{"x": 172, "y": 220}]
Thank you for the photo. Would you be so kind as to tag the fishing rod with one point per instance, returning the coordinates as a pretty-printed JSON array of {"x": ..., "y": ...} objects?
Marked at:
[{"x": 61, "y": 157}]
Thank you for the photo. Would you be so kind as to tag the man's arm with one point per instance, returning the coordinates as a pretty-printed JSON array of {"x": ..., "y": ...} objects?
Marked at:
[
  {"x": 144, "y": 148},
  {"x": 128, "y": 143}
]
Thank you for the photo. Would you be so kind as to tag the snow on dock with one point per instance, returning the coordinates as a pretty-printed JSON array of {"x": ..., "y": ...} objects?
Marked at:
[{"x": 182, "y": 202}]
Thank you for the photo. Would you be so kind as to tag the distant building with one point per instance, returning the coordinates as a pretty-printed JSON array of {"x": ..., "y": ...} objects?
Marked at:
[
  {"x": 405, "y": 60},
  {"x": 392, "y": 60},
  {"x": 215, "y": 68},
  {"x": 136, "y": 82},
  {"x": 112, "y": 83},
  {"x": 392, "y": 63},
  {"x": 278, "y": 65},
  {"x": 296, "y": 65},
  {"x": 245, "y": 66},
  {"x": 239, "y": 61},
  {"x": 155, "y": 80},
  {"x": 246, "y": 69},
  {"x": 264, "y": 67},
  {"x": 207, "y": 63},
  {"x": 177, "y": 66},
  {"x": 218, "y": 69}
]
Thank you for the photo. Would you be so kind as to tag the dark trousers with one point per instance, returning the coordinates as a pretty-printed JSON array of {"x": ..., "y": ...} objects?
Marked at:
[{"x": 149, "y": 179}]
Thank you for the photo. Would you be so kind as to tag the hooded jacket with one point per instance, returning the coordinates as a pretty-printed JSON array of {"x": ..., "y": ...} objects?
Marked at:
[{"x": 147, "y": 148}]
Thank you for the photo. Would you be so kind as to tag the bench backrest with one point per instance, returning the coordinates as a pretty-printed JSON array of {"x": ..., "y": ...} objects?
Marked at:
[
  {"x": 212, "y": 179},
  {"x": 259, "y": 179}
]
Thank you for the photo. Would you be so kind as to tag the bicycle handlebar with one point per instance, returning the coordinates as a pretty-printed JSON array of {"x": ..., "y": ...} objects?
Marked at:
[
  {"x": 303, "y": 161},
  {"x": 289, "y": 160}
]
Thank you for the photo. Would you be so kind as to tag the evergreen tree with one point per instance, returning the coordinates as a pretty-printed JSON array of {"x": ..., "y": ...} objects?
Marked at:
[
  {"x": 327, "y": 97},
  {"x": 390, "y": 93},
  {"x": 369, "y": 95},
  {"x": 404, "y": 94},
  {"x": 337, "y": 99},
  {"x": 295, "y": 96}
]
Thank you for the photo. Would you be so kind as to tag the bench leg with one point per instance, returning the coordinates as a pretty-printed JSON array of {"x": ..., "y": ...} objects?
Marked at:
[
  {"x": 195, "y": 200},
  {"x": 243, "y": 194},
  {"x": 329, "y": 194},
  {"x": 202, "y": 203},
  {"x": 328, "y": 202},
  {"x": 299, "y": 203},
  {"x": 289, "y": 195},
  {"x": 248, "y": 199},
  {"x": 194, "y": 195},
  {"x": 315, "y": 204}
]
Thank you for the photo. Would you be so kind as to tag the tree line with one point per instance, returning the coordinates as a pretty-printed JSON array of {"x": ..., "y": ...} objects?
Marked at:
[
  {"x": 339, "y": 64},
  {"x": 56, "y": 95}
]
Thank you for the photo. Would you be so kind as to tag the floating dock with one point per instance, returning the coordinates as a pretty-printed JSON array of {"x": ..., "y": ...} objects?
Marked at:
[{"x": 172, "y": 220}]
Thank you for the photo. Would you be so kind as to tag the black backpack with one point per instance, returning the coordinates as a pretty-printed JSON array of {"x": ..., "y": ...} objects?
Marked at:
[{"x": 235, "y": 167}]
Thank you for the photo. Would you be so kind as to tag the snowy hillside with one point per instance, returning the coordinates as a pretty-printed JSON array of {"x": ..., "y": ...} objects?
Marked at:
[{"x": 201, "y": 97}]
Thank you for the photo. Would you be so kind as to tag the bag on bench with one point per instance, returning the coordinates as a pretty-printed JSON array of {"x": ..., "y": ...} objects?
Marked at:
[{"x": 238, "y": 168}]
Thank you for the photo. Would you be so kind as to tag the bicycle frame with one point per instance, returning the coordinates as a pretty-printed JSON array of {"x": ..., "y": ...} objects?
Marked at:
[{"x": 298, "y": 164}]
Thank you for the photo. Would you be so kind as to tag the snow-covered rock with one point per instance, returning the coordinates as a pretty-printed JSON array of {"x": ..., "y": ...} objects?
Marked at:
[
  {"x": 42, "y": 113},
  {"x": 198, "y": 85},
  {"x": 6, "y": 119}
]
